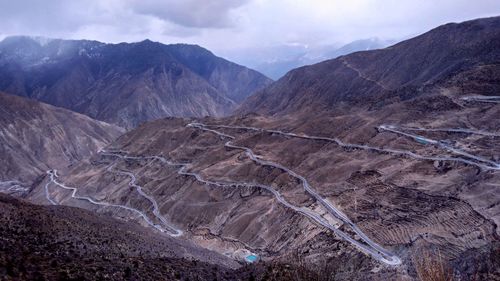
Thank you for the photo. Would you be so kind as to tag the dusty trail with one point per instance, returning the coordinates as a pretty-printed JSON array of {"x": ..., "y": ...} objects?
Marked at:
[
  {"x": 361, "y": 75},
  {"x": 13, "y": 186},
  {"x": 156, "y": 210},
  {"x": 47, "y": 193},
  {"x": 452, "y": 130}
]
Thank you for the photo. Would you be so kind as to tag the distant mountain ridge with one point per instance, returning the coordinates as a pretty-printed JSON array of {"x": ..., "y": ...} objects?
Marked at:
[
  {"x": 276, "y": 62},
  {"x": 126, "y": 83}
]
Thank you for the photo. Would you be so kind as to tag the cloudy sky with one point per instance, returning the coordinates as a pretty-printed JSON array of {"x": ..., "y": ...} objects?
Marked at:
[{"x": 224, "y": 26}]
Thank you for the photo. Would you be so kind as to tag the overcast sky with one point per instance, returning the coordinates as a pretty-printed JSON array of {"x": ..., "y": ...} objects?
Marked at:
[{"x": 225, "y": 25}]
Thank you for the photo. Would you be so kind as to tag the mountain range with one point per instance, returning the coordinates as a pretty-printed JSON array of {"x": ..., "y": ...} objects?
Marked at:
[
  {"x": 125, "y": 84},
  {"x": 376, "y": 165}
]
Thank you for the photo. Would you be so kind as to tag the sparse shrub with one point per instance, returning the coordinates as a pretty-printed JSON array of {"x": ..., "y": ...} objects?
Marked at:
[{"x": 431, "y": 266}]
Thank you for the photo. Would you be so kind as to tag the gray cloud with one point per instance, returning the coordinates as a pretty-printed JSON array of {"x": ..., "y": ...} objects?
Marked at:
[
  {"x": 41, "y": 16},
  {"x": 190, "y": 13},
  {"x": 237, "y": 29}
]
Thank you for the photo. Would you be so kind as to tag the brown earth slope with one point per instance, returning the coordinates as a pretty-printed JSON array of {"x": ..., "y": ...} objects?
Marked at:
[
  {"x": 35, "y": 137},
  {"x": 402, "y": 203}
]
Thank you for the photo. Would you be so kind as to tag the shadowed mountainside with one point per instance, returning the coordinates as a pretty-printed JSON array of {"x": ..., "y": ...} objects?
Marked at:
[{"x": 125, "y": 84}]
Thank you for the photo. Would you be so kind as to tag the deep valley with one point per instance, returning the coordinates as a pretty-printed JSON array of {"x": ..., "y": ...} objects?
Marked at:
[{"x": 377, "y": 165}]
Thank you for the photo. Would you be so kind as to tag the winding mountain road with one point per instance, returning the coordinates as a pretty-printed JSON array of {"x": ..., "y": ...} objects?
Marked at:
[
  {"x": 364, "y": 243},
  {"x": 13, "y": 186},
  {"x": 484, "y": 164},
  {"x": 487, "y": 99},
  {"x": 370, "y": 247},
  {"x": 451, "y": 130},
  {"x": 367, "y": 245},
  {"x": 47, "y": 193},
  {"x": 156, "y": 210},
  {"x": 53, "y": 176}
]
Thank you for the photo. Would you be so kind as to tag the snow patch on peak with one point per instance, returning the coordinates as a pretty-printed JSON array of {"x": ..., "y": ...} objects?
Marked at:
[{"x": 42, "y": 41}]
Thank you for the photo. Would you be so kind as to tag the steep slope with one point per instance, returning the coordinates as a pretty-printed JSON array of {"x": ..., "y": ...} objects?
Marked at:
[
  {"x": 60, "y": 243},
  {"x": 463, "y": 58},
  {"x": 342, "y": 169},
  {"x": 64, "y": 243},
  {"x": 404, "y": 140},
  {"x": 125, "y": 84},
  {"x": 35, "y": 136}
]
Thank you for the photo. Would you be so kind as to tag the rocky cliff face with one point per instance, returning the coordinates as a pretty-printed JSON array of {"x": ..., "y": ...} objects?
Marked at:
[
  {"x": 460, "y": 57},
  {"x": 125, "y": 84},
  {"x": 35, "y": 136}
]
